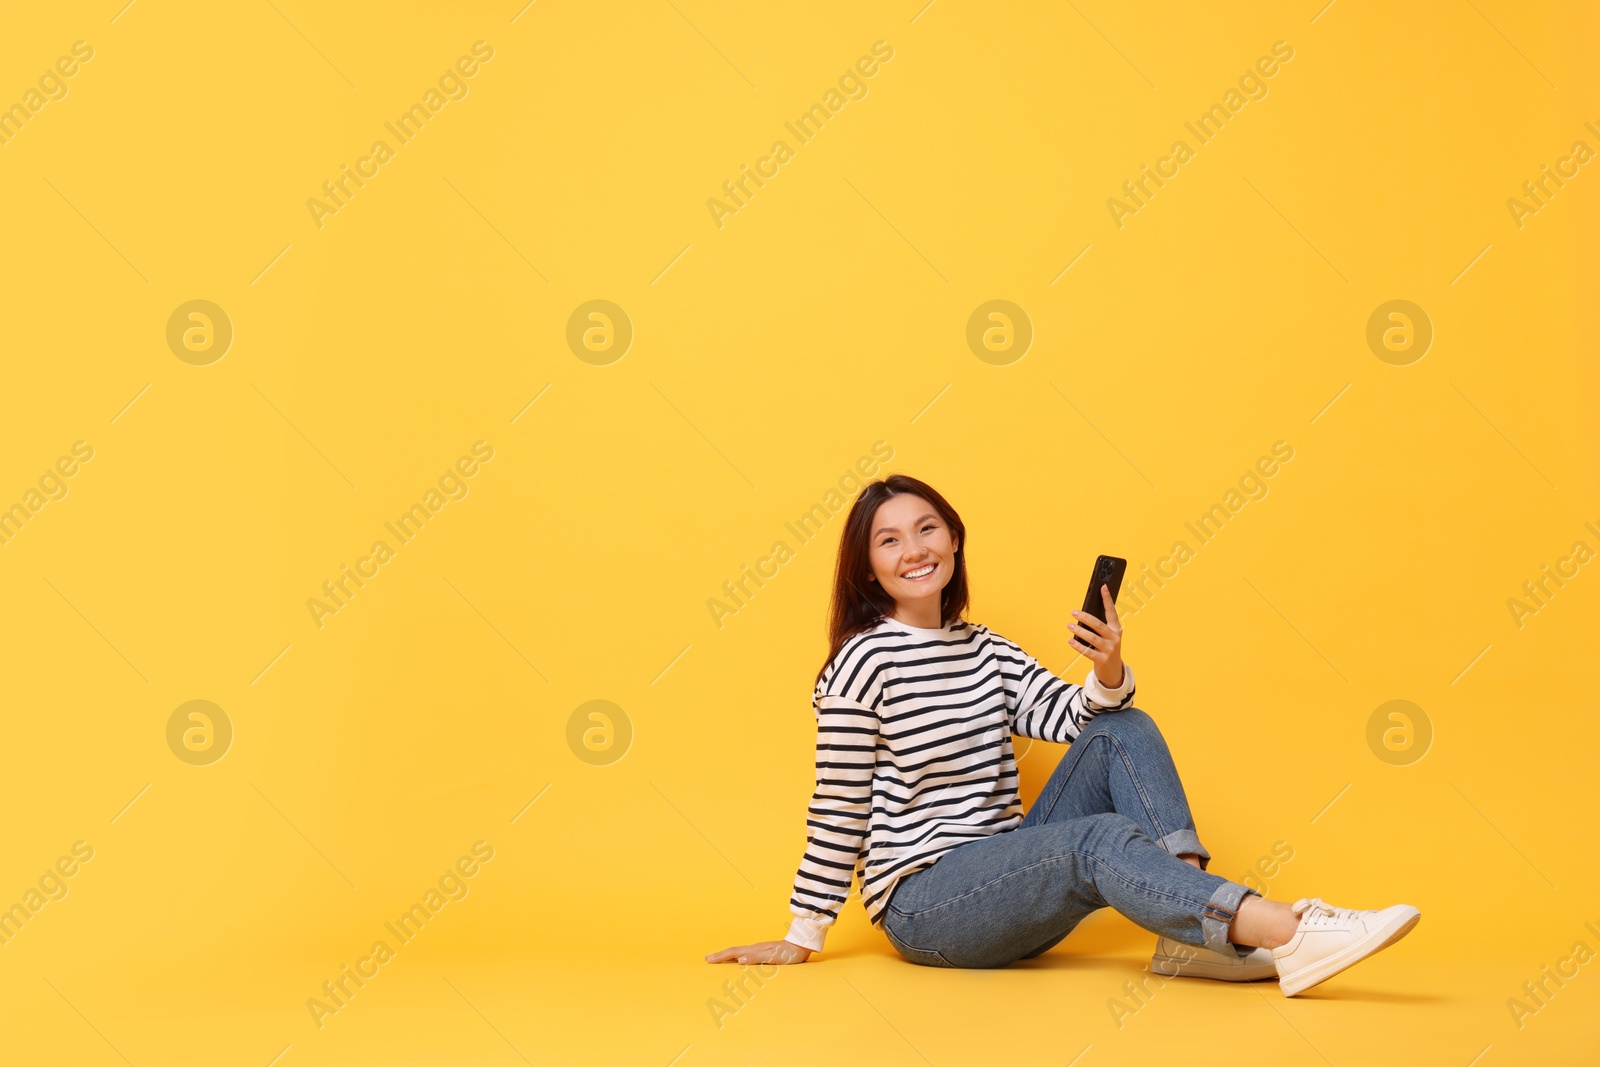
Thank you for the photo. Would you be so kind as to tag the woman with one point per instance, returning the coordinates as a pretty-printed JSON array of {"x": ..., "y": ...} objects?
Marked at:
[{"x": 917, "y": 787}]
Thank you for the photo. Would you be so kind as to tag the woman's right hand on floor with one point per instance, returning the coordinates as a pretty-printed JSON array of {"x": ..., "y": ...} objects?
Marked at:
[{"x": 762, "y": 952}]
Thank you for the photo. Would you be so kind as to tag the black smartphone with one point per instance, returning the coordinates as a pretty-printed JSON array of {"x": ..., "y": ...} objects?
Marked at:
[{"x": 1108, "y": 570}]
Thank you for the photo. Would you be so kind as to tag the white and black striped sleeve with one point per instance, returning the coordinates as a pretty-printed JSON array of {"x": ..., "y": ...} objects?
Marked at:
[
  {"x": 836, "y": 820},
  {"x": 1043, "y": 705}
]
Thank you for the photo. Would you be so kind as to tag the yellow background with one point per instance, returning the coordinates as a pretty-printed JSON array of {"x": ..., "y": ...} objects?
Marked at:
[{"x": 769, "y": 355}]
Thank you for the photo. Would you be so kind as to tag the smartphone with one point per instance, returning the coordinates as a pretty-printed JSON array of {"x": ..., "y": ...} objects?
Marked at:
[{"x": 1108, "y": 570}]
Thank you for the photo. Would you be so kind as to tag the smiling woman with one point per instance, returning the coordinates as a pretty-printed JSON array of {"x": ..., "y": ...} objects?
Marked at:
[{"x": 917, "y": 788}]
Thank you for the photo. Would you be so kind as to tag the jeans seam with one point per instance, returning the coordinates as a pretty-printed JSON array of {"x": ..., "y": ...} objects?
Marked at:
[
  {"x": 1075, "y": 755},
  {"x": 1128, "y": 765},
  {"x": 905, "y": 946},
  {"x": 1197, "y": 906},
  {"x": 1216, "y": 935},
  {"x": 1138, "y": 785},
  {"x": 1134, "y": 885}
]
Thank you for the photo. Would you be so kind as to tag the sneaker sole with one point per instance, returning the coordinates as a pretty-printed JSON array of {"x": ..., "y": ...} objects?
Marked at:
[
  {"x": 1173, "y": 967},
  {"x": 1325, "y": 969}
]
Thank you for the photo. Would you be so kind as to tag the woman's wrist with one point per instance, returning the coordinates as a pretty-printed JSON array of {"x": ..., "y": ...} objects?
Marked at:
[{"x": 1122, "y": 675}]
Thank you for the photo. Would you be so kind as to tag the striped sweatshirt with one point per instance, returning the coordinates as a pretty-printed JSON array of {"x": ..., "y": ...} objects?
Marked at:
[{"x": 914, "y": 756}]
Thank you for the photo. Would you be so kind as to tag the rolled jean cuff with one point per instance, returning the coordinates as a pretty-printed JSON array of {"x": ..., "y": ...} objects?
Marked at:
[
  {"x": 1183, "y": 842},
  {"x": 1218, "y": 913}
]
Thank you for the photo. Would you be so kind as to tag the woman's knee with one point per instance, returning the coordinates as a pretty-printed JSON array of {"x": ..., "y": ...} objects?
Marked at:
[
  {"x": 1110, "y": 831},
  {"x": 1129, "y": 721}
]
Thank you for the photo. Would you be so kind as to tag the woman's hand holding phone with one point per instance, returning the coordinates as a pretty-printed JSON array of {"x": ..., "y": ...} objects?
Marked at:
[{"x": 1102, "y": 643}]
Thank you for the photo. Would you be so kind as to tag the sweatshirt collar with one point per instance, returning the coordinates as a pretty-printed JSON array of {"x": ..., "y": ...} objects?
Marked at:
[{"x": 923, "y": 631}]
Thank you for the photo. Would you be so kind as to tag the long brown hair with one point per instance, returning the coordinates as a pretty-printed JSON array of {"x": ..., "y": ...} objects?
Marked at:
[{"x": 858, "y": 603}]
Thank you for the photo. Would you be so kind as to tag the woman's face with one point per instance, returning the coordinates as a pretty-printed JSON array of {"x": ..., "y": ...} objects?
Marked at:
[{"x": 908, "y": 538}]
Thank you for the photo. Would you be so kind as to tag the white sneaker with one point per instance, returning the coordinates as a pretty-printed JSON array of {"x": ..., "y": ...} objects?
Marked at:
[
  {"x": 1175, "y": 959},
  {"x": 1330, "y": 939}
]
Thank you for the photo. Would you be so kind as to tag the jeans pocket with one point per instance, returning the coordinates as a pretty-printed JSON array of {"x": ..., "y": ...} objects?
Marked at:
[{"x": 928, "y": 957}]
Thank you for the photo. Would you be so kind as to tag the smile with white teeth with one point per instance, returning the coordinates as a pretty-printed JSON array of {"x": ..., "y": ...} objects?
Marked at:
[{"x": 920, "y": 572}]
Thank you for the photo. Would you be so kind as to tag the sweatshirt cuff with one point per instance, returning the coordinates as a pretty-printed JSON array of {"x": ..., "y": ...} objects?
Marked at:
[
  {"x": 1099, "y": 694},
  {"x": 808, "y": 933}
]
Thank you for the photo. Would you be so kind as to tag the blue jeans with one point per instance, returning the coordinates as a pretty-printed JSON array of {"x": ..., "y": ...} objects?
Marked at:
[{"x": 1105, "y": 831}]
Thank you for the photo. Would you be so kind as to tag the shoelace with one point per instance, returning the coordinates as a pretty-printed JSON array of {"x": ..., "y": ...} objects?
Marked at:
[{"x": 1317, "y": 912}]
